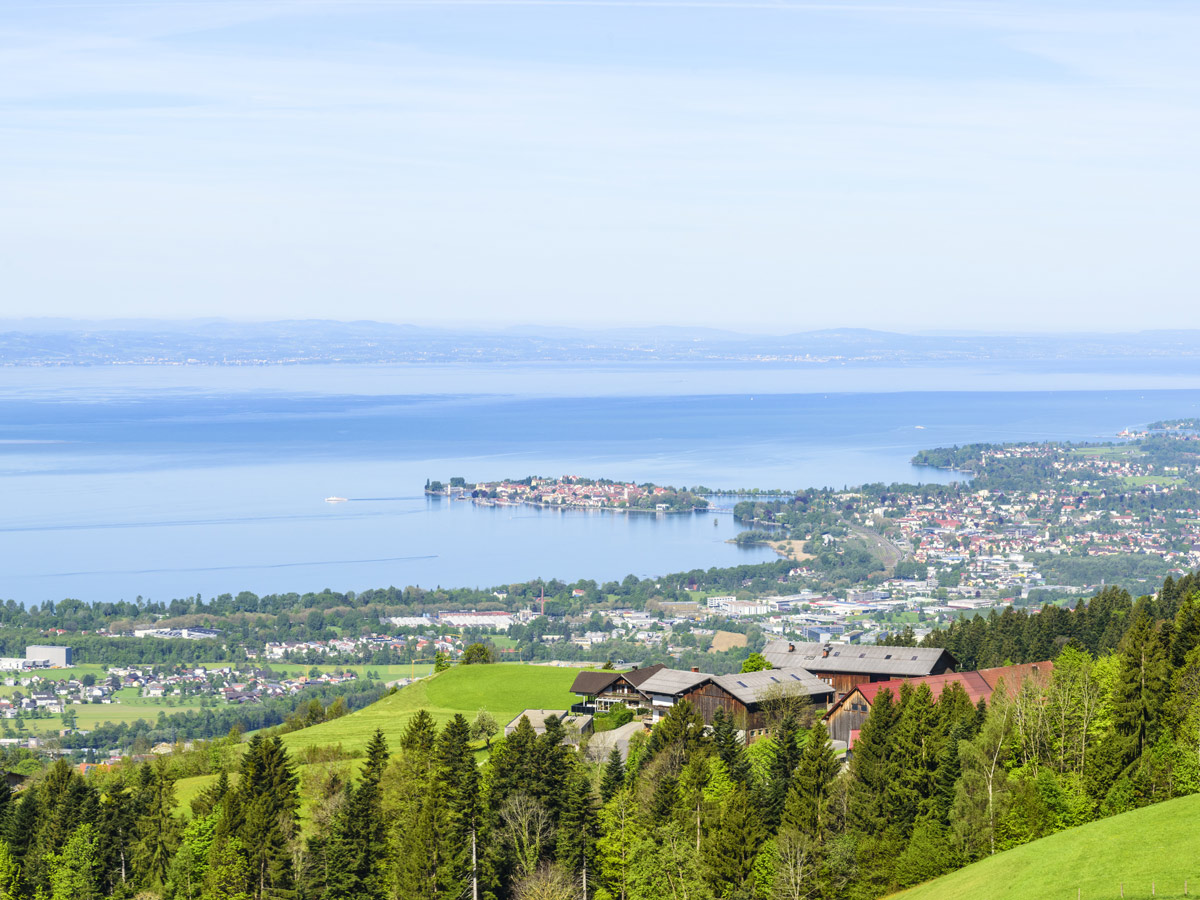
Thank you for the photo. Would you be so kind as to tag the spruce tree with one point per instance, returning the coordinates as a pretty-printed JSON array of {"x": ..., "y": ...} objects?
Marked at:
[
  {"x": 734, "y": 834},
  {"x": 917, "y": 742},
  {"x": 268, "y": 800},
  {"x": 731, "y": 747},
  {"x": 1141, "y": 687},
  {"x": 457, "y": 781},
  {"x": 577, "y": 828},
  {"x": 807, "y": 807},
  {"x": 206, "y": 802},
  {"x": 158, "y": 828},
  {"x": 614, "y": 776},
  {"x": 351, "y": 858},
  {"x": 784, "y": 759}
]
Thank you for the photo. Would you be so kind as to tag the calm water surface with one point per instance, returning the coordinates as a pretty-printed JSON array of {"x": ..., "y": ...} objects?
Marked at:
[{"x": 168, "y": 482}]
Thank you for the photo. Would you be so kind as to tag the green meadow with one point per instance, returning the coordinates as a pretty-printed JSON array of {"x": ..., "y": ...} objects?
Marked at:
[
  {"x": 1144, "y": 853},
  {"x": 503, "y": 689}
]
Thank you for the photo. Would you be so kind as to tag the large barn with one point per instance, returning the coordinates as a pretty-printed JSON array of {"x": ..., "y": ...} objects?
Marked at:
[
  {"x": 846, "y": 717},
  {"x": 747, "y": 697},
  {"x": 843, "y": 666}
]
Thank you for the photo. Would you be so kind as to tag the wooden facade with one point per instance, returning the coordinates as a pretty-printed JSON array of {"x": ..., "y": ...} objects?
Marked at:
[
  {"x": 847, "y": 715},
  {"x": 709, "y": 697}
]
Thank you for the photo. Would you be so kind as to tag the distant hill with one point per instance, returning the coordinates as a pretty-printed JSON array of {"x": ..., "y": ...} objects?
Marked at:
[
  {"x": 53, "y": 342},
  {"x": 1158, "y": 844}
]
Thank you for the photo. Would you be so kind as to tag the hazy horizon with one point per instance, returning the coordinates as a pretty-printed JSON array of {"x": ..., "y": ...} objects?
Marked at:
[{"x": 759, "y": 167}]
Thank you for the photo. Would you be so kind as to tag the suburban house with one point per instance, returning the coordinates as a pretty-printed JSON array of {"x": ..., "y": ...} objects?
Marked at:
[
  {"x": 747, "y": 697},
  {"x": 844, "y": 666},
  {"x": 846, "y": 717},
  {"x": 603, "y": 690}
]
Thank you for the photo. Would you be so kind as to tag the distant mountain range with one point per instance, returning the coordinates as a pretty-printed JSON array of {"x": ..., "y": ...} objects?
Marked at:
[{"x": 51, "y": 342}]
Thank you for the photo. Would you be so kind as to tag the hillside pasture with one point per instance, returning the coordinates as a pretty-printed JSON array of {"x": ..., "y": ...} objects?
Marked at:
[
  {"x": 503, "y": 689},
  {"x": 1150, "y": 851}
]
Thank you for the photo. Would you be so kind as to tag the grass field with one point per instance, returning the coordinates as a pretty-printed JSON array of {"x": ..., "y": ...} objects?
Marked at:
[
  {"x": 503, "y": 689},
  {"x": 1118, "y": 452},
  {"x": 1155, "y": 848},
  {"x": 385, "y": 673},
  {"x": 1134, "y": 481}
]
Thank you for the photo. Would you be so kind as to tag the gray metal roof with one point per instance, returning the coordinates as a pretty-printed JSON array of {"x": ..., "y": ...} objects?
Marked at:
[
  {"x": 672, "y": 681},
  {"x": 864, "y": 659},
  {"x": 753, "y": 687}
]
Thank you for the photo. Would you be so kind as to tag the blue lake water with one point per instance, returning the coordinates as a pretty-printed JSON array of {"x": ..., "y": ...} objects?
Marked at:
[{"x": 167, "y": 482}]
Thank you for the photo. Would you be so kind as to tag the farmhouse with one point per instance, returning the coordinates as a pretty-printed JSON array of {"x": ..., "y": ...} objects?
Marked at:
[
  {"x": 746, "y": 697},
  {"x": 602, "y": 690},
  {"x": 843, "y": 666},
  {"x": 846, "y": 717}
]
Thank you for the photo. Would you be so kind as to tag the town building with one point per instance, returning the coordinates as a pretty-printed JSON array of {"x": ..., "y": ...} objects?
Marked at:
[{"x": 59, "y": 657}]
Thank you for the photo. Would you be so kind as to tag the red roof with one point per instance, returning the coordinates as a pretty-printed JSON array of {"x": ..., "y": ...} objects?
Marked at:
[
  {"x": 978, "y": 685},
  {"x": 973, "y": 683}
]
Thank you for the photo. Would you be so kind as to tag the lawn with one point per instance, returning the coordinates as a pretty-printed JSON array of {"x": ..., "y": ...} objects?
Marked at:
[
  {"x": 503, "y": 689},
  {"x": 1149, "y": 850}
]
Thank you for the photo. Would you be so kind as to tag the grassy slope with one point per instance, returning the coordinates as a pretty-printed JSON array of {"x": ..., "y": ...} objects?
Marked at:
[
  {"x": 503, "y": 689},
  {"x": 1159, "y": 843}
]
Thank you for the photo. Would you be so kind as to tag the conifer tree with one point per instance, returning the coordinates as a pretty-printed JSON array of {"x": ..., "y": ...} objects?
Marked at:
[
  {"x": 614, "y": 776},
  {"x": 117, "y": 828},
  {"x": 917, "y": 741},
  {"x": 1141, "y": 688},
  {"x": 807, "y": 807},
  {"x": 730, "y": 747},
  {"x": 348, "y": 862},
  {"x": 206, "y": 802},
  {"x": 457, "y": 780},
  {"x": 158, "y": 828},
  {"x": 784, "y": 760},
  {"x": 622, "y": 831},
  {"x": 734, "y": 835},
  {"x": 269, "y": 800},
  {"x": 869, "y": 816},
  {"x": 577, "y": 829}
]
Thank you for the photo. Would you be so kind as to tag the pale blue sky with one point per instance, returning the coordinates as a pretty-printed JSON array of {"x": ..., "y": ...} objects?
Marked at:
[{"x": 758, "y": 165}]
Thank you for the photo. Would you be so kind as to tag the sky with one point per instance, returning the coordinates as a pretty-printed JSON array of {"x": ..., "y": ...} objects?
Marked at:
[{"x": 759, "y": 166}]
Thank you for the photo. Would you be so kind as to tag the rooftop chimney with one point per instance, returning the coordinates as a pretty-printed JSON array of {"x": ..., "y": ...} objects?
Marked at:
[
  {"x": 635, "y": 667},
  {"x": 825, "y": 651},
  {"x": 696, "y": 669},
  {"x": 791, "y": 648}
]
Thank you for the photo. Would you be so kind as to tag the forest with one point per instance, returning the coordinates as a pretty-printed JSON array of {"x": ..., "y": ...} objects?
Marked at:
[{"x": 691, "y": 812}]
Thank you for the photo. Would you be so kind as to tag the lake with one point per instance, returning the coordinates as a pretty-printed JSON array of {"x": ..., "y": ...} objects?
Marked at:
[{"x": 171, "y": 481}]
